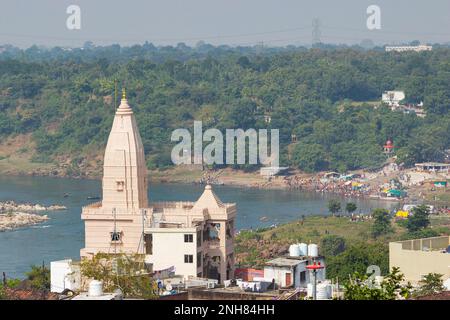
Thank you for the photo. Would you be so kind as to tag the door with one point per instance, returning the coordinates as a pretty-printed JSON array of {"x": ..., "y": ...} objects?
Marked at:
[{"x": 288, "y": 279}]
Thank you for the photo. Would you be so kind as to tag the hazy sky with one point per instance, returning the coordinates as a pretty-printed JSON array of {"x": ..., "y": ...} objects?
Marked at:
[{"x": 233, "y": 22}]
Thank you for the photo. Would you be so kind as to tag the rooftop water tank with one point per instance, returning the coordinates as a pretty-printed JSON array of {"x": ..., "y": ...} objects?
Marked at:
[
  {"x": 313, "y": 250},
  {"x": 303, "y": 249},
  {"x": 294, "y": 250},
  {"x": 323, "y": 291},
  {"x": 95, "y": 288}
]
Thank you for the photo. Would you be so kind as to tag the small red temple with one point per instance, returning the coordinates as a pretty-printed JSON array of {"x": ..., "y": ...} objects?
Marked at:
[{"x": 388, "y": 147}]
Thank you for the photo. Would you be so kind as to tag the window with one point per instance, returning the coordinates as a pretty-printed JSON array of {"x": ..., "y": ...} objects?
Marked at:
[
  {"x": 188, "y": 238},
  {"x": 188, "y": 258},
  {"x": 116, "y": 236},
  {"x": 199, "y": 259},
  {"x": 199, "y": 238},
  {"x": 302, "y": 276},
  {"x": 120, "y": 185},
  {"x": 148, "y": 238}
]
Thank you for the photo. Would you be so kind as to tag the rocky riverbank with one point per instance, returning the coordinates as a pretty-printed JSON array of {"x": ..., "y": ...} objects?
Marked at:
[
  {"x": 16, "y": 215},
  {"x": 12, "y": 207},
  {"x": 10, "y": 221}
]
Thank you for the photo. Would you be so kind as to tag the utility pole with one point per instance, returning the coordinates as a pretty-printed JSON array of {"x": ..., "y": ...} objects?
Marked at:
[{"x": 314, "y": 268}]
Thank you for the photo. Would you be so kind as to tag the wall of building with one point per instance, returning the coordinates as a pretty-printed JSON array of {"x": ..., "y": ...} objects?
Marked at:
[
  {"x": 414, "y": 264},
  {"x": 247, "y": 274},
  {"x": 279, "y": 274},
  {"x": 169, "y": 249},
  {"x": 98, "y": 236},
  {"x": 64, "y": 275},
  {"x": 203, "y": 294}
]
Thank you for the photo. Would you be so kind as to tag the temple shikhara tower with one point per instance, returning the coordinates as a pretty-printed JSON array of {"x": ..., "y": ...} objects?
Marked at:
[{"x": 192, "y": 238}]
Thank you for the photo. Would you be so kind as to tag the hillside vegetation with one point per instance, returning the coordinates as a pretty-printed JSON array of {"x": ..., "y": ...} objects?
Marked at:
[
  {"x": 347, "y": 246},
  {"x": 63, "y": 102}
]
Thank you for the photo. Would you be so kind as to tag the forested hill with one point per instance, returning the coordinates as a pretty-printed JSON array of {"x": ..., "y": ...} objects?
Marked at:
[{"x": 63, "y": 105}]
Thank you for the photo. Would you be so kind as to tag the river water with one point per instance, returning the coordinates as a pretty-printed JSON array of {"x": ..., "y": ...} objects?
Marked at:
[{"x": 63, "y": 235}]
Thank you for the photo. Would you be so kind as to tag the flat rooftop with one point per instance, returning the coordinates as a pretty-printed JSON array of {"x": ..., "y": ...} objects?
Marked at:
[
  {"x": 286, "y": 261},
  {"x": 426, "y": 244}
]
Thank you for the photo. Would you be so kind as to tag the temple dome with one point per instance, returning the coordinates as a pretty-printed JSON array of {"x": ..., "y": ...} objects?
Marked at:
[{"x": 208, "y": 200}]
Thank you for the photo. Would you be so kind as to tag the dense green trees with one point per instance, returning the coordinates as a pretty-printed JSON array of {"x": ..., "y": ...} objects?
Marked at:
[
  {"x": 39, "y": 277},
  {"x": 65, "y": 98},
  {"x": 431, "y": 283},
  {"x": 361, "y": 287},
  {"x": 124, "y": 272},
  {"x": 334, "y": 206},
  {"x": 332, "y": 245},
  {"x": 356, "y": 258},
  {"x": 350, "y": 207},
  {"x": 382, "y": 222},
  {"x": 419, "y": 219}
]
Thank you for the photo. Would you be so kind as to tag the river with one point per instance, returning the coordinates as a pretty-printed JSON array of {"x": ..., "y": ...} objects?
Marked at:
[{"x": 63, "y": 235}]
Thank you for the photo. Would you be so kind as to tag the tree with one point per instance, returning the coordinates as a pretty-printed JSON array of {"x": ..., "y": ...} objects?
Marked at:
[
  {"x": 356, "y": 258},
  {"x": 334, "y": 206},
  {"x": 431, "y": 283},
  {"x": 39, "y": 277},
  {"x": 419, "y": 219},
  {"x": 332, "y": 245},
  {"x": 350, "y": 207},
  {"x": 361, "y": 287},
  {"x": 120, "y": 271},
  {"x": 382, "y": 222},
  {"x": 310, "y": 157}
]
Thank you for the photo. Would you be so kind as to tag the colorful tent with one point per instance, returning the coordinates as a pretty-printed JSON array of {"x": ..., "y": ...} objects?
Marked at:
[{"x": 402, "y": 214}]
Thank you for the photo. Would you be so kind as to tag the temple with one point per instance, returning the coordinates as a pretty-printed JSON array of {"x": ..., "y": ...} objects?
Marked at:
[{"x": 192, "y": 238}]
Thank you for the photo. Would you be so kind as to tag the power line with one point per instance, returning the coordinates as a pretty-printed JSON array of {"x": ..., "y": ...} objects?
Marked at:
[{"x": 132, "y": 39}]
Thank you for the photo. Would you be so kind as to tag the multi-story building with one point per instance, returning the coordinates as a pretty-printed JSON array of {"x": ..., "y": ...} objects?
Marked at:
[
  {"x": 192, "y": 238},
  {"x": 419, "y": 257},
  {"x": 393, "y": 98},
  {"x": 418, "y": 48}
]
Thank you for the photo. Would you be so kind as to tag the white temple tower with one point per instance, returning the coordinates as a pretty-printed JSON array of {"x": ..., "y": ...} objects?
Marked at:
[
  {"x": 124, "y": 168},
  {"x": 196, "y": 239},
  {"x": 115, "y": 224}
]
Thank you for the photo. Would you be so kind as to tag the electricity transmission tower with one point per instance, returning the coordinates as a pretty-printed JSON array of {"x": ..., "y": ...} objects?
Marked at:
[{"x": 316, "y": 31}]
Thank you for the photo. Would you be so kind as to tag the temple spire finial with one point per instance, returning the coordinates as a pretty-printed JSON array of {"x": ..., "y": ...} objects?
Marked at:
[{"x": 124, "y": 94}]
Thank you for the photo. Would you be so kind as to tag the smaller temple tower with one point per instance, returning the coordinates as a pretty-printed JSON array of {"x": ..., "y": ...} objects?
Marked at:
[{"x": 388, "y": 148}]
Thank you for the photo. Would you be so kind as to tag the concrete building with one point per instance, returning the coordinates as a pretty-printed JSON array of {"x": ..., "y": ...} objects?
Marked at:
[
  {"x": 393, "y": 98},
  {"x": 291, "y": 271},
  {"x": 433, "y": 167},
  {"x": 419, "y": 257},
  {"x": 418, "y": 48},
  {"x": 64, "y": 274},
  {"x": 194, "y": 238}
]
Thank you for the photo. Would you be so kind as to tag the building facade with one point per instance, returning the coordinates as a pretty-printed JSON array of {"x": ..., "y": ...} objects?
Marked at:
[
  {"x": 419, "y": 257},
  {"x": 418, "y": 48},
  {"x": 393, "y": 98},
  {"x": 292, "y": 271},
  {"x": 192, "y": 238}
]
